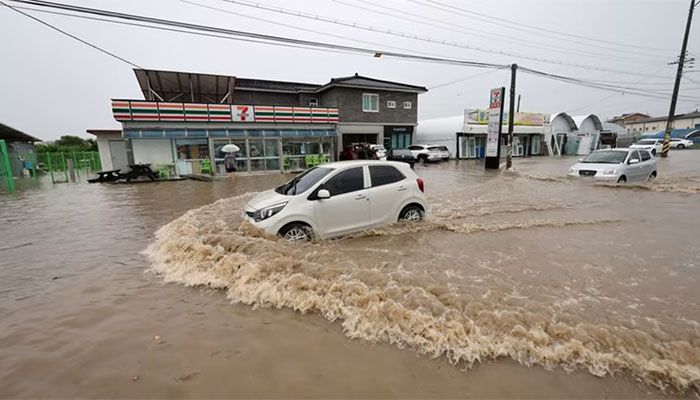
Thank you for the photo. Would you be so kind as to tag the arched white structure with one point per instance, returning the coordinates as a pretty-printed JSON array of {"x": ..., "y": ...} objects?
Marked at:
[
  {"x": 562, "y": 123},
  {"x": 440, "y": 131},
  {"x": 588, "y": 123}
]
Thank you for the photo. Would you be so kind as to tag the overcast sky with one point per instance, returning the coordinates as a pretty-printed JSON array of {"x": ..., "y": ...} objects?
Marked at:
[{"x": 52, "y": 85}]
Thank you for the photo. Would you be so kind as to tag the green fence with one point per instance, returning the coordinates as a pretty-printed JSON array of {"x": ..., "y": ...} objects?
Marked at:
[
  {"x": 56, "y": 164},
  {"x": 7, "y": 180}
]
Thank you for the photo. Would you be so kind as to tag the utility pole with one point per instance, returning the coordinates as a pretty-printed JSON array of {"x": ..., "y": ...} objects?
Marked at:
[
  {"x": 677, "y": 84},
  {"x": 511, "y": 116}
]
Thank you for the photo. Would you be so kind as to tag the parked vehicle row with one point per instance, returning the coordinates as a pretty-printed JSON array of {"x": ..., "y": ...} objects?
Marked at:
[{"x": 655, "y": 146}]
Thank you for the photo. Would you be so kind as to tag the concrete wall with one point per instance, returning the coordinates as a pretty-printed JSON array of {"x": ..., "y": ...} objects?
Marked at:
[
  {"x": 349, "y": 104},
  {"x": 152, "y": 151},
  {"x": 103, "y": 148},
  {"x": 260, "y": 98}
]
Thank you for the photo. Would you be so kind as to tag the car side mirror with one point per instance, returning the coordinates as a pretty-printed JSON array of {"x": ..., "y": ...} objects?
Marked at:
[
  {"x": 633, "y": 161},
  {"x": 323, "y": 194}
]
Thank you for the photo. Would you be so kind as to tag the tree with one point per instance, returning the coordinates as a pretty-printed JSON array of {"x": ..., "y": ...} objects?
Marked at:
[{"x": 67, "y": 143}]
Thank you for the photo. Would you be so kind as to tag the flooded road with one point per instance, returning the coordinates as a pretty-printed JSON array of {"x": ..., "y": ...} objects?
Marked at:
[{"x": 519, "y": 284}]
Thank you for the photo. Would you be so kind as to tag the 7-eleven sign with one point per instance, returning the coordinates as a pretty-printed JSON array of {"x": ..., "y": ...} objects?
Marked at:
[{"x": 243, "y": 114}]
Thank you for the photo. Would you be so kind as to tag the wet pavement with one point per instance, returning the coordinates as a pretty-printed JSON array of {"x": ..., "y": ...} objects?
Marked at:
[{"x": 519, "y": 284}]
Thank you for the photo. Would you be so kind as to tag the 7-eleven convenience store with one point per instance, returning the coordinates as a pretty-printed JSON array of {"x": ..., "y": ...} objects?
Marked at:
[{"x": 185, "y": 119}]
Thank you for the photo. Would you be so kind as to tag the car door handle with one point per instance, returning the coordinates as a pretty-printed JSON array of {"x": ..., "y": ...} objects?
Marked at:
[
  {"x": 359, "y": 196},
  {"x": 402, "y": 188}
]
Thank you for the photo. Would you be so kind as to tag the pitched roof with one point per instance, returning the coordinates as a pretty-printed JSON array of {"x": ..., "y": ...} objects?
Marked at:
[
  {"x": 11, "y": 134},
  {"x": 694, "y": 114},
  {"x": 207, "y": 88},
  {"x": 359, "y": 81}
]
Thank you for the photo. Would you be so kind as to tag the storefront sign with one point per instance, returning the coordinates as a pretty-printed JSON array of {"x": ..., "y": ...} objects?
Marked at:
[
  {"x": 495, "y": 126},
  {"x": 481, "y": 117},
  {"x": 243, "y": 114}
]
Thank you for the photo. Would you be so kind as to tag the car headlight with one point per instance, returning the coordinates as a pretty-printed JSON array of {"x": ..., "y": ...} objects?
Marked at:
[
  {"x": 609, "y": 171},
  {"x": 267, "y": 212}
]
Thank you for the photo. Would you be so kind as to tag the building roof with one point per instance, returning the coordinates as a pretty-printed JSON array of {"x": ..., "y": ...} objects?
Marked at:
[
  {"x": 99, "y": 132},
  {"x": 694, "y": 114},
  {"x": 363, "y": 82},
  {"x": 208, "y": 88},
  {"x": 11, "y": 134}
]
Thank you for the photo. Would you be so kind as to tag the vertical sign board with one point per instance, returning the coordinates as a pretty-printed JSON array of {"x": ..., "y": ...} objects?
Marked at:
[{"x": 495, "y": 127}]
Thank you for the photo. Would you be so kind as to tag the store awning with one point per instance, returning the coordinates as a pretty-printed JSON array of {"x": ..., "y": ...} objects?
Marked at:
[{"x": 225, "y": 133}]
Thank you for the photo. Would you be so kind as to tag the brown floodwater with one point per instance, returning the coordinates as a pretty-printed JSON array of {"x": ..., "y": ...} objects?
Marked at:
[{"x": 518, "y": 284}]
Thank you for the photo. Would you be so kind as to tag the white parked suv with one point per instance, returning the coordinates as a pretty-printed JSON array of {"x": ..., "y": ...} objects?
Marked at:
[
  {"x": 652, "y": 145},
  {"x": 339, "y": 198},
  {"x": 616, "y": 165},
  {"x": 426, "y": 152}
]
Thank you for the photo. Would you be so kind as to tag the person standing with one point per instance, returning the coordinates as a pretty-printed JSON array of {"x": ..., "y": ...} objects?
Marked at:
[{"x": 230, "y": 162}]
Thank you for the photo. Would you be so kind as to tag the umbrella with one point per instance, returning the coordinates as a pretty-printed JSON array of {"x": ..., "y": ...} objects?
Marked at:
[{"x": 230, "y": 148}]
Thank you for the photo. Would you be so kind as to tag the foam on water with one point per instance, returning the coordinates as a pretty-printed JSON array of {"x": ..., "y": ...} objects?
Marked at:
[{"x": 212, "y": 247}]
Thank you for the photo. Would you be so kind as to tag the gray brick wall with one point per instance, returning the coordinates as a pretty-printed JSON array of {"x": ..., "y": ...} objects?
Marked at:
[
  {"x": 349, "y": 103},
  {"x": 347, "y": 100}
]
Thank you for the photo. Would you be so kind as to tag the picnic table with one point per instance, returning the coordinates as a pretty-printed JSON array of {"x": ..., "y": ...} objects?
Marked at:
[
  {"x": 106, "y": 176},
  {"x": 138, "y": 170}
]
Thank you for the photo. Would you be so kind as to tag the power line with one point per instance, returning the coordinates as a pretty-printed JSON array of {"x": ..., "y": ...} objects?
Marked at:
[
  {"x": 259, "y": 36},
  {"x": 451, "y": 27},
  {"x": 85, "y": 42},
  {"x": 277, "y": 40},
  {"x": 460, "y": 80},
  {"x": 507, "y": 23},
  {"x": 406, "y": 35}
]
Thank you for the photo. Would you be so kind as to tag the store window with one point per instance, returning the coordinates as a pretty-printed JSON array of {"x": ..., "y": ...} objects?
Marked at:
[
  {"x": 300, "y": 152},
  {"x": 191, "y": 154},
  {"x": 264, "y": 154},
  {"x": 370, "y": 102},
  {"x": 241, "y": 156}
]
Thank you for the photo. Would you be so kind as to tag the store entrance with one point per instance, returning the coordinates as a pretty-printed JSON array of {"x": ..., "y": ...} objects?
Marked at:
[{"x": 352, "y": 138}]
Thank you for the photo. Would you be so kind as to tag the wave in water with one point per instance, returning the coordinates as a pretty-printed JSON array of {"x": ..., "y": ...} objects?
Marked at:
[{"x": 210, "y": 246}]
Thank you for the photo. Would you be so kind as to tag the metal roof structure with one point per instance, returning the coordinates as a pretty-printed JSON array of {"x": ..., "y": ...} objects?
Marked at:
[
  {"x": 11, "y": 134},
  {"x": 170, "y": 86}
]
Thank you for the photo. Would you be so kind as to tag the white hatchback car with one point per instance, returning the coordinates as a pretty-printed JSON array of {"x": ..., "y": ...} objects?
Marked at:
[
  {"x": 339, "y": 198},
  {"x": 616, "y": 165}
]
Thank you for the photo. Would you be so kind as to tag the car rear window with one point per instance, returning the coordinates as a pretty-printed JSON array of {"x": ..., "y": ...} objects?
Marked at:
[
  {"x": 346, "y": 181},
  {"x": 384, "y": 175},
  {"x": 434, "y": 148}
]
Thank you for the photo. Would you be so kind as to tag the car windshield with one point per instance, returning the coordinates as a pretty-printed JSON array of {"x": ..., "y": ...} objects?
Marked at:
[
  {"x": 647, "y": 141},
  {"x": 304, "y": 181},
  {"x": 606, "y": 157}
]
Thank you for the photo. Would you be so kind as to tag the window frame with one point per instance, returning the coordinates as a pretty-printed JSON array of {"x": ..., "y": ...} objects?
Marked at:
[
  {"x": 370, "y": 96},
  {"x": 410, "y": 105},
  {"x": 324, "y": 185},
  {"x": 390, "y": 104},
  {"x": 313, "y": 102},
  {"x": 371, "y": 181}
]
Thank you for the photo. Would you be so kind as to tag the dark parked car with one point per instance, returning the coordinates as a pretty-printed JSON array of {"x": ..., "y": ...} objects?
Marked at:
[{"x": 403, "y": 155}]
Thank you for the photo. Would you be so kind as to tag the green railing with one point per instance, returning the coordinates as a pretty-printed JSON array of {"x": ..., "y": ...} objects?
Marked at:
[
  {"x": 56, "y": 164},
  {"x": 6, "y": 177}
]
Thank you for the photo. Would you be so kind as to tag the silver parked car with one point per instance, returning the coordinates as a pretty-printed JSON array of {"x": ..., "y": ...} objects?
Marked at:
[{"x": 616, "y": 165}]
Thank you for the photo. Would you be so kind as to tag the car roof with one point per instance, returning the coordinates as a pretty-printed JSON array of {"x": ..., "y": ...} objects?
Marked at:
[{"x": 359, "y": 163}]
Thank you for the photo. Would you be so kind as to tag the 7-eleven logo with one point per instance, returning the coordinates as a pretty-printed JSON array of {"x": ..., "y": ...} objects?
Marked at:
[{"x": 244, "y": 113}]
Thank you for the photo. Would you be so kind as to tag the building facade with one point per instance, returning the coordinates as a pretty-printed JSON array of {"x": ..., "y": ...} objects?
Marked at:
[
  {"x": 643, "y": 124},
  {"x": 19, "y": 145},
  {"x": 185, "y": 119}
]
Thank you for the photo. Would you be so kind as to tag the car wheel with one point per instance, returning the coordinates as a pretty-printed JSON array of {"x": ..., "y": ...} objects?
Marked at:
[
  {"x": 296, "y": 232},
  {"x": 423, "y": 159},
  {"x": 623, "y": 179},
  {"x": 411, "y": 213},
  {"x": 680, "y": 146},
  {"x": 653, "y": 175},
  {"x": 653, "y": 152}
]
